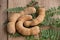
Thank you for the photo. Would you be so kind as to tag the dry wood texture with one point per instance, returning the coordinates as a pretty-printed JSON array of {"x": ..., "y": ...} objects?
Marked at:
[
  {"x": 3, "y": 18},
  {"x": 16, "y": 3}
]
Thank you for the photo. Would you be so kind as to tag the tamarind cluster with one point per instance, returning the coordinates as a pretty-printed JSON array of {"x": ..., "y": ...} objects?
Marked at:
[{"x": 18, "y": 21}]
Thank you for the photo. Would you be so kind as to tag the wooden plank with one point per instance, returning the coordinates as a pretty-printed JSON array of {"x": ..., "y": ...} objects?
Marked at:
[
  {"x": 21, "y": 3},
  {"x": 49, "y": 3},
  {"x": 3, "y": 18},
  {"x": 17, "y": 3}
]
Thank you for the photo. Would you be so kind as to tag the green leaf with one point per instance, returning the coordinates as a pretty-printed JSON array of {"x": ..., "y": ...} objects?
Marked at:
[{"x": 17, "y": 9}]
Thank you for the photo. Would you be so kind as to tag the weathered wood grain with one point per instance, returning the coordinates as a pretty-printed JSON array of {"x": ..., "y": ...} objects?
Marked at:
[
  {"x": 46, "y": 3},
  {"x": 3, "y": 18},
  {"x": 21, "y": 3}
]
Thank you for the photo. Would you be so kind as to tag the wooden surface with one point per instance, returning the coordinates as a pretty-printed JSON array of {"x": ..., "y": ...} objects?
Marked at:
[
  {"x": 46, "y": 3},
  {"x": 21, "y": 3},
  {"x": 3, "y": 18},
  {"x": 16, "y": 3}
]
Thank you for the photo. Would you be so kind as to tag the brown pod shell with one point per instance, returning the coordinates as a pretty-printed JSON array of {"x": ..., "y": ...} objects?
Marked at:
[
  {"x": 11, "y": 27},
  {"x": 37, "y": 20}
]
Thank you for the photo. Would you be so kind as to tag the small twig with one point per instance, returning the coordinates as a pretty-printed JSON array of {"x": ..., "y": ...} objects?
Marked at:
[{"x": 33, "y": 4}]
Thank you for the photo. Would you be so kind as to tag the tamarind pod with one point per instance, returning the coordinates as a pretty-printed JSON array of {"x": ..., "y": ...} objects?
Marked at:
[
  {"x": 24, "y": 18},
  {"x": 38, "y": 20},
  {"x": 19, "y": 25},
  {"x": 11, "y": 27}
]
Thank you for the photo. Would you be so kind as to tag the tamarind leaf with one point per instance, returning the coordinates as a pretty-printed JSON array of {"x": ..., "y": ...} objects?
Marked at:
[
  {"x": 50, "y": 33},
  {"x": 15, "y": 35},
  {"x": 17, "y": 9},
  {"x": 30, "y": 37},
  {"x": 58, "y": 8},
  {"x": 51, "y": 21}
]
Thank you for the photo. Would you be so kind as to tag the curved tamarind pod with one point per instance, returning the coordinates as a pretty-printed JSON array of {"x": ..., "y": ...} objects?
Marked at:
[
  {"x": 11, "y": 27},
  {"x": 35, "y": 30},
  {"x": 23, "y": 30},
  {"x": 38, "y": 20},
  {"x": 12, "y": 20},
  {"x": 19, "y": 26}
]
